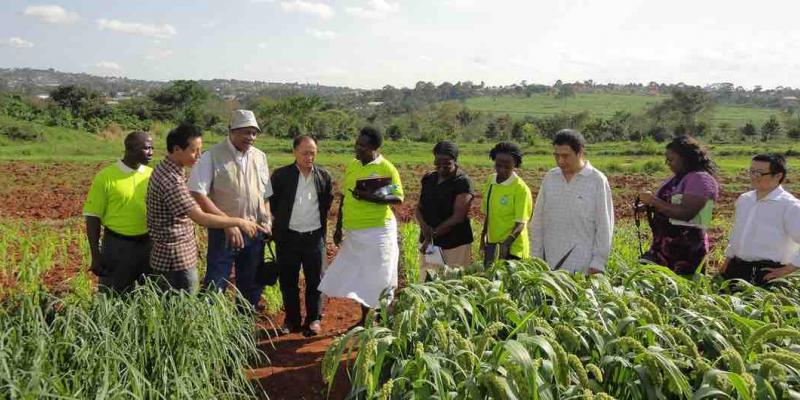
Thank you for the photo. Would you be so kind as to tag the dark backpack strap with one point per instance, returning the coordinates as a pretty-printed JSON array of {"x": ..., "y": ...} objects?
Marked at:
[
  {"x": 561, "y": 261},
  {"x": 488, "y": 203}
]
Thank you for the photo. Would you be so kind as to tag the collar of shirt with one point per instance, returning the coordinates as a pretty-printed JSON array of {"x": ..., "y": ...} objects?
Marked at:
[
  {"x": 128, "y": 170},
  {"x": 507, "y": 181},
  {"x": 173, "y": 166},
  {"x": 459, "y": 173},
  {"x": 585, "y": 171},
  {"x": 377, "y": 160},
  {"x": 313, "y": 168},
  {"x": 774, "y": 195}
]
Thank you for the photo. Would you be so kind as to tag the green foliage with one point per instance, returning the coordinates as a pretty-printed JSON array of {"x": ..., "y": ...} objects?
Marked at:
[
  {"x": 181, "y": 101},
  {"x": 293, "y": 116},
  {"x": 22, "y": 131},
  {"x": 749, "y": 130},
  {"x": 149, "y": 344},
  {"x": 770, "y": 129},
  {"x": 521, "y": 331}
]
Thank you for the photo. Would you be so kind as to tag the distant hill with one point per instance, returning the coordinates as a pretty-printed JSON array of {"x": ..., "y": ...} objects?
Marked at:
[{"x": 42, "y": 81}]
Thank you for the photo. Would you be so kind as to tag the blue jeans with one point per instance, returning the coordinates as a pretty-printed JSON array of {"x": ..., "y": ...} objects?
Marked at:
[{"x": 248, "y": 260}]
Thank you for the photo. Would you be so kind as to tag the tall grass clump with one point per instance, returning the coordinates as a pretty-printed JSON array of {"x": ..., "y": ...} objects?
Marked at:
[
  {"x": 146, "y": 345},
  {"x": 409, "y": 252}
]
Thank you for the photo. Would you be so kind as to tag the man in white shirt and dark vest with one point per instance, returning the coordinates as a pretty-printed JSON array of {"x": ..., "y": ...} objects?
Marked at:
[
  {"x": 573, "y": 219},
  {"x": 232, "y": 179},
  {"x": 765, "y": 241},
  {"x": 302, "y": 196}
]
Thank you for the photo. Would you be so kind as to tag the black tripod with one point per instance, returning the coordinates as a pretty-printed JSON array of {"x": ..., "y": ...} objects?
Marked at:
[{"x": 637, "y": 210}]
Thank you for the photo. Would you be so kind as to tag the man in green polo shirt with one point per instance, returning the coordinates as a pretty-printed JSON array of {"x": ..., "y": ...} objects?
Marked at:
[{"x": 116, "y": 201}]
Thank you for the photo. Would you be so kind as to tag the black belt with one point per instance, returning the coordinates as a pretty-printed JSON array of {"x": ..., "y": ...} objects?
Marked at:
[
  {"x": 315, "y": 232},
  {"x": 751, "y": 271},
  {"x": 138, "y": 238}
]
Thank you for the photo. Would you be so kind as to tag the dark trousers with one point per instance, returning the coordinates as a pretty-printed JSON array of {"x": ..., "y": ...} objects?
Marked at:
[
  {"x": 293, "y": 250},
  {"x": 492, "y": 254},
  {"x": 125, "y": 261},
  {"x": 248, "y": 260},
  {"x": 750, "y": 271},
  {"x": 185, "y": 280}
]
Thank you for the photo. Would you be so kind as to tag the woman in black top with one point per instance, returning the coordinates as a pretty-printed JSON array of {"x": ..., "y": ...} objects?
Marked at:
[{"x": 445, "y": 196}]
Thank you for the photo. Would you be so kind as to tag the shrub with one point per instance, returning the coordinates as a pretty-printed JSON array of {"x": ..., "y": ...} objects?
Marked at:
[
  {"x": 21, "y": 131},
  {"x": 651, "y": 167}
]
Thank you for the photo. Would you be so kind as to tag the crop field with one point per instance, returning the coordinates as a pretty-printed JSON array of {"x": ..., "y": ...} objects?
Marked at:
[
  {"x": 605, "y": 105},
  {"x": 515, "y": 331}
]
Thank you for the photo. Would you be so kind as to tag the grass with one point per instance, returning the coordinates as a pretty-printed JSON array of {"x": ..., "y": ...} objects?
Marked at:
[
  {"x": 66, "y": 145},
  {"x": 604, "y": 105},
  {"x": 148, "y": 345}
]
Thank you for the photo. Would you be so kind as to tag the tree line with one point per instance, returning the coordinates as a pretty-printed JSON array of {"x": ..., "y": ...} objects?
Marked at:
[{"x": 426, "y": 112}]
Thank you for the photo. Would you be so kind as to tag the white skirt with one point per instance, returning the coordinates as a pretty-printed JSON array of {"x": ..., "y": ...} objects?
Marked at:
[{"x": 365, "y": 266}]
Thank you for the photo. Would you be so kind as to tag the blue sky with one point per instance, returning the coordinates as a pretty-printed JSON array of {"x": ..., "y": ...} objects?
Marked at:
[{"x": 372, "y": 43}]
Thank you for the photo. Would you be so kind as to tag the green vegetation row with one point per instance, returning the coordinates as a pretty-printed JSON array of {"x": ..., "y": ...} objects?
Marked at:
[
  {"x": 521, "y": 331},
  {"x": 57, "y": 144},
  {"x": 148, "y": 345}
]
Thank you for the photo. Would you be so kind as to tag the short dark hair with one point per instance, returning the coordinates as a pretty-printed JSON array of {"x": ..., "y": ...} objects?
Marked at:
[
  {"x": 302, "y": 138},
  {"x": 181, "y": 135},
  {"x": 508, "y": 148},
  {"x": 447, "y": 148},
  {"x": 777, "y": 163},
  {"x": 694, "y": 156},
  {"x": 570, "y": 137},
  {"x": 133, "y": 137},
  {"x": 374, "y": 136}
]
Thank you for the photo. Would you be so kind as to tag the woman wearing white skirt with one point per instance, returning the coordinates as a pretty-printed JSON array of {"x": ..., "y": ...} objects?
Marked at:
[{"x": 365, "y": 268}]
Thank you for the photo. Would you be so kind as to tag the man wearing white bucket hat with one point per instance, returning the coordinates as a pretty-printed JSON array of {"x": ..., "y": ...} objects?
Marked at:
[{"x": 233, "y": 179}]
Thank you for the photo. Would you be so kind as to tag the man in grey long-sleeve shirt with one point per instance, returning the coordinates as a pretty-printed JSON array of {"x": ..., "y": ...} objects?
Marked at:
[{"x": 573, "y": 219}]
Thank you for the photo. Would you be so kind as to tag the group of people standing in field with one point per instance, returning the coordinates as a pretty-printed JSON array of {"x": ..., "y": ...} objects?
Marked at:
[{"x": 140, "y": 220}]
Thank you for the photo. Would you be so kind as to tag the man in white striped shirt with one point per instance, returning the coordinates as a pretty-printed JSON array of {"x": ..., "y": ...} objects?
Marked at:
[
  {"x": 765, "y": 241},
  {"x": 573, "y": 220}
]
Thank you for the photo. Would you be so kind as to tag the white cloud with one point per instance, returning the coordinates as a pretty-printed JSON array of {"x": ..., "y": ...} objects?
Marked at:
[
  {"x": 51, "y": 14},
  {"x": 159, "y": 54},
  {"x": 136, "y": 28},
  {"x": 19, "y": 43},
  {"x": 262, "y": 45},
  {"x": 109, "y": 65},
  {"x": 461, "y": 3},
  {"x": 262, "y": 1},
  {"x": 321, "y": 10},
  {"x": 326, "y": 35},
  {"x": 374, "y": 9},
  {"x": 211, "y": 24}
]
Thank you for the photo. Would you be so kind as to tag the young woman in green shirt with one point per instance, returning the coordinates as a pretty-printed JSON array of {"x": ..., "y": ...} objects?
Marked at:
[{"x": 507, "y": 205}]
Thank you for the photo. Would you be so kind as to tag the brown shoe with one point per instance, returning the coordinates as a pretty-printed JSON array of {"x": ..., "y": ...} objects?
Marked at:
[{"x": 314, "y": 328}]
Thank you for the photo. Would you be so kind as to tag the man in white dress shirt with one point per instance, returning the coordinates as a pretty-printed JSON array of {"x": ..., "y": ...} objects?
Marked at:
[
  {"x": 302, "y": 197},
  {"x": 232, "y": 179},
  {"x": 573, "y": 219},
  {"x": 765, "y": 241}
]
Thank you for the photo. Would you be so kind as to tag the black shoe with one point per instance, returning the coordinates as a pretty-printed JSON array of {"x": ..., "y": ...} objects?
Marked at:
[
  {"x": 313, "y": 329},
  {"x": 287, "y": 329}
]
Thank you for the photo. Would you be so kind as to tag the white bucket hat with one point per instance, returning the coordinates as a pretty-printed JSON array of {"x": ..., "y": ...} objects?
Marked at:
[{"x": 243, "y": 119}]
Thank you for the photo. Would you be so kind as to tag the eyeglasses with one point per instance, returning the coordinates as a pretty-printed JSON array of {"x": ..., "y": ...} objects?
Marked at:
[{"x": 757, "y": 173}]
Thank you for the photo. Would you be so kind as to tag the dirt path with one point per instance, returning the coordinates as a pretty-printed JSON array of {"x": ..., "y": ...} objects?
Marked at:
[{"x": 294, "y": 371}]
